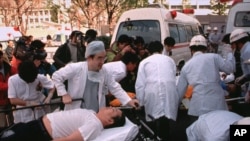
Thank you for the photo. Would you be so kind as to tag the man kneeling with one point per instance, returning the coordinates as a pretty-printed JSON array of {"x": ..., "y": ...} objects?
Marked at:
[{"x": 71, "y": 125}]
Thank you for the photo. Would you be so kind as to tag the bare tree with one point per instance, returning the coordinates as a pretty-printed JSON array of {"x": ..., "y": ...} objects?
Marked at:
[
  {"x": 90, "y": 9},
  {"x": 114, "y": 8},
  {"x": 7, "y": 11},
  {"x": 16, "y": 12}
]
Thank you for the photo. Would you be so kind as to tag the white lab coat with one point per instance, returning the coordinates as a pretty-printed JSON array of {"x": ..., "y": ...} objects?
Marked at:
[
  {"x": 245, "y": 55},
  {"x": 76, "y": 74},
  {"x": 202, "y": 72},
  {"x": 156, "y": 86},
  {"x": 213, "y": 126},
  {"x": 27, "y": 92},
  {"x": 117, "y": 69}
]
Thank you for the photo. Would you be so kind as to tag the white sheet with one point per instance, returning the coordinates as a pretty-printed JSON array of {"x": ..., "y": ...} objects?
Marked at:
[{"x": 124, "y": 133}]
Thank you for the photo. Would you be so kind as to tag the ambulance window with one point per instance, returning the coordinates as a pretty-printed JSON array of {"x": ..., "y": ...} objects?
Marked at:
[
  {"x": 189, "y": 32},
  {"x": 182, "y": 33},
  {"x": 173, "y": 31},
  {"x": 149, "y": 30},
  {"x": 242, "y": 19},
  {"x": 195, "y": 30}
]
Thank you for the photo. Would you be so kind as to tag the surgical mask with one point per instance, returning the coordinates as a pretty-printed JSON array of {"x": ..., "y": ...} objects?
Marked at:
[{"x": 94, "y": 76}]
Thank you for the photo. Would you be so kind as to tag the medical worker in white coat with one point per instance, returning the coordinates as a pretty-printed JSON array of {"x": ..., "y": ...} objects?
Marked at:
[
  {"x": 202, "y": 73},
  {"x": 87, "y": 80},
  {"x": 156, "y": 88},
  {"x": 213, "y": 126},
  {"x": 239, "y": 38},
  {"x": 119, "y": 69}
]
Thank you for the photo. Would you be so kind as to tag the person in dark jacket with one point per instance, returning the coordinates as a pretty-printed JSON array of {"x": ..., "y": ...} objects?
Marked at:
[{"x": 71, "y": 51}]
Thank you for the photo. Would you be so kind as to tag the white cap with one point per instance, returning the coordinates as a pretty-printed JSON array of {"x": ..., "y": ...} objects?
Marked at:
[
  {"x": 215, "y": 28},
  {"x": 237, "y": 34},
  {"x": 208, "y": 28},
  {"x": 198, "y": 40},
  {"x": 94, "y": 47}
]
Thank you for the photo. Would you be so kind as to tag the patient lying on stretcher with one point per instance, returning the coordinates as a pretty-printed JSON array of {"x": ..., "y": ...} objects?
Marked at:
[{"x": 75, "y": 125}]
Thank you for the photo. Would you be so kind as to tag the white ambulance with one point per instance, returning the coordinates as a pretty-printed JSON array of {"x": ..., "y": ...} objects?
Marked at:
[
  {"x": 239, "y": 16},
  {"x": 157, "y": 23}
]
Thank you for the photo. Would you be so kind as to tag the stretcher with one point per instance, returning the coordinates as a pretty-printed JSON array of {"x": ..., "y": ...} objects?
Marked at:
[
  {"x": 137, "y": 116},
  {"x": 128, "y": 132},
  {"x": 125, "y": 133}
]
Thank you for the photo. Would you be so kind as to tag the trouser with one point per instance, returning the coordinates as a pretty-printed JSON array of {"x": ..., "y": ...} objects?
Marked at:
[
  {"x": 215, "y": 47},
  {"x": 161, "y": 127},
  {"x": 6, "y": 118},
  {"x": 191, "y": 119},
  {"x": 31, "y": 131}
]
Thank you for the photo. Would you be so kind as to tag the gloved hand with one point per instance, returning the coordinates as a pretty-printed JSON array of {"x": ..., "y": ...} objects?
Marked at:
[{"x": 241, "y": 80}]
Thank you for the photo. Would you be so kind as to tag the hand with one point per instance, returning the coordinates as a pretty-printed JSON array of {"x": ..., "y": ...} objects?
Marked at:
[
  {"x": 32, "y": 103},
  {"x": 223, "y": 76},
  {"x": 241, "y": 80},
  {"x": 134, "y": 103},
  {"x": 66, "y": 99}
]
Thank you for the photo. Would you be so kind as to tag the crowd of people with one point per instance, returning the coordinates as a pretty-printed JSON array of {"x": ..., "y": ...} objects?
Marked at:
[{"x": 84, "y": 68}]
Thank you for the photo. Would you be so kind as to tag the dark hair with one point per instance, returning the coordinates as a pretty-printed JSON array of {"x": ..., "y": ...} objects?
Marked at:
[
  {"x": 155, "y": 46},
  {"x": 27, "y": 71},
  {"x": 1, "y": 46},
  {"x": 39, "y": 54},
  {"x": 123, "y": 39},
  {"x": 198, "y": 48},
  {"x": 129, "y": 57},
  {"x": 118, "y": 121},
  {"x": 226, "y": 38},
  {"x": 1, "y": 53},
  {"x": 243, "y": 40},
  {"x": 49, "y": 37},
  {"x": 75, "y": 33},
  {"x": 37, "y": 44},
  {"x": 139, "y": 40},
  {"x": 90, "y": 35},
  {"x": 169, "y": 41}
]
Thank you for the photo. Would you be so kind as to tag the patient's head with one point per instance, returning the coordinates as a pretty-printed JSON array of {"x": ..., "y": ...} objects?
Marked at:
[{"x": 111, "y": 117}]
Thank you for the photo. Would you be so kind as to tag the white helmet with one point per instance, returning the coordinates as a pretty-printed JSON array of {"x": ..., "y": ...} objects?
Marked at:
[
  {"x": 198, "y": 40},
  {"x": 215, "y": 28},
  {"x": 237, "y": 34},
  {"x": 208, "y": 28}
]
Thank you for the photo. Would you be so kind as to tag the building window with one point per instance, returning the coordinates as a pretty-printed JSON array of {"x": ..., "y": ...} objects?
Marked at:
[
  {"x": 46, "y": 12},
  {"x": 36, "y": 20},
  {"x": 47, "y": 19},
  {"x": 31, "y": 20},
  {"x": 41, "y": 12}
]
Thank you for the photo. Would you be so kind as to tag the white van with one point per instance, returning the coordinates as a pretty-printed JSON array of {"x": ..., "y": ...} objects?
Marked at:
[
  {"x": 157, "y": 23},
  {"x": 60, "y": 37},
  {"x": 8, "y": 33},
  {"x": 239, "y": 17}
]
